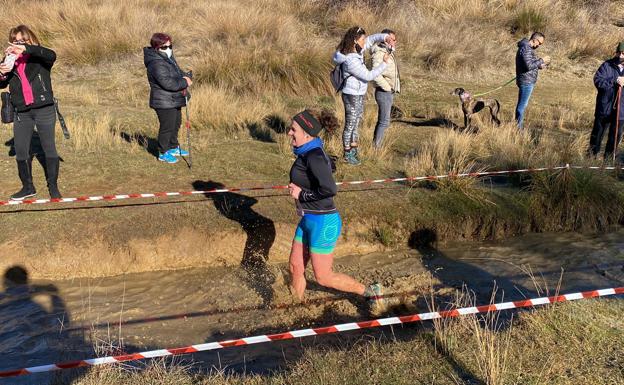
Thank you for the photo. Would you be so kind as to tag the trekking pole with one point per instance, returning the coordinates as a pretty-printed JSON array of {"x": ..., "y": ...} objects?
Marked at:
[
  {"x": 188, "y": 133},
  {"x": 188, "y": 127},
  {"x": 617, "y": 123}
]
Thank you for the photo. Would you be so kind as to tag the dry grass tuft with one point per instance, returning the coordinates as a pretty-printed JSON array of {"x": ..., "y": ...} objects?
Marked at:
[
  {"x": 254, "y": 59},
  {"x": 571, "y": 200}
]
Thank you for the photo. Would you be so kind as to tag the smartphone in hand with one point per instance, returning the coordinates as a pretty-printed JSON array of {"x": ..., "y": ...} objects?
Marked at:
[{"x": 9, "y": 60}]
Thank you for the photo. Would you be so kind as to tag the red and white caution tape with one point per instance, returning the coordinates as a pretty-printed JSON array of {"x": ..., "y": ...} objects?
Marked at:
[
  {"x": 118, "y": 197},
  {"x": 339, "y": 328}
]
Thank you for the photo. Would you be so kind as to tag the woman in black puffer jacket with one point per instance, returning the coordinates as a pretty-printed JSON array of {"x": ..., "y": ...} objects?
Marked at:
[
  {"x": 30, "y": 86},
  {"x": 168, "y": 92}
]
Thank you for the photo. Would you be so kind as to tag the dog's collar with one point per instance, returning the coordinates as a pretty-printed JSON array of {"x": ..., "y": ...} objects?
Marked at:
[{"x": 465, "y": 96}]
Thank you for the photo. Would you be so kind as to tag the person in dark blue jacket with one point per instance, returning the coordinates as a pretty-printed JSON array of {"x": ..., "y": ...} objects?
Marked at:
[
  {"x": 313, "y": 188},
  {"x": 527, "y": 66},
  {"x": 168, "y": 93},
  {"x": 609, "y": 115}
]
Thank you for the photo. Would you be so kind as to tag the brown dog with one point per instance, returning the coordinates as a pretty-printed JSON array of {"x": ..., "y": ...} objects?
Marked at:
[{"x": 472, "y": 106}]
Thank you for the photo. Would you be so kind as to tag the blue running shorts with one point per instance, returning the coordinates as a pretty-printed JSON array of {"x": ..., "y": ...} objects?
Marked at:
[{"x": 319, "y": 232}]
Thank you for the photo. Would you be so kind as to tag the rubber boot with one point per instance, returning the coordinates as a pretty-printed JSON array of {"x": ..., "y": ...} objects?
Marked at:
[
  {"x": 52, "y": 168},
  {"x": 24, "y": 170}
]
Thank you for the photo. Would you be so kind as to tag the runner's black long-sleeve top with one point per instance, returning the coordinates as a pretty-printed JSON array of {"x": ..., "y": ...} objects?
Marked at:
[{"x": 312, "y": 172}]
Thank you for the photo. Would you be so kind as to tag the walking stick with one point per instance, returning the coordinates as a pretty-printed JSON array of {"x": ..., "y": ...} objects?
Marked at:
[
  {"x": 617, "y": 123},
  {"x": 188, "y": 133},
  {"x": 187, "y": 124}
]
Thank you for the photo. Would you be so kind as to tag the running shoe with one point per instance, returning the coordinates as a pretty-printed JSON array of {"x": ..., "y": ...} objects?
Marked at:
[
  {"x": 349, "y": 157},
  {"x": 167, "y": 158},
  {"x": 178, "y": 152},
  {"x": 374, "y": 296}
]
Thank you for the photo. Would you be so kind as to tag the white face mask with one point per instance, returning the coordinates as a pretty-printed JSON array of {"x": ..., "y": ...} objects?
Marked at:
[{"x": 167, "y": 51}]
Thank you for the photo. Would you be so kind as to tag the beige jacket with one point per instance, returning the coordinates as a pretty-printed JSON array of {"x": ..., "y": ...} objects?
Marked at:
[{"x": 389, "y": 80}]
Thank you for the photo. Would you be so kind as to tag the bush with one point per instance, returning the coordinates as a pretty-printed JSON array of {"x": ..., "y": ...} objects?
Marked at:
[
  {"x": 575, "y": 200},
  {"x": 528, "y": 20},
  {"x": 384, "y": 234}
]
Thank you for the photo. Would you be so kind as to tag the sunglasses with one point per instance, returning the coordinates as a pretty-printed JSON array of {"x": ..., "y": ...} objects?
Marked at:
[{"x": 166, "y": 46}]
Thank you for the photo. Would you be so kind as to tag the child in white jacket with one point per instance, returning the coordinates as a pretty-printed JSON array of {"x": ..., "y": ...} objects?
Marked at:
[{"x": 350, "y": 55}]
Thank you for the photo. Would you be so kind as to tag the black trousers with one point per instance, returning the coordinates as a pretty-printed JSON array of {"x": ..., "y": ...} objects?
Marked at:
[
  {"x": 170, "y": 120},
  {"x": 44, "y": 119},
  {"x": 602, "y": 125}
]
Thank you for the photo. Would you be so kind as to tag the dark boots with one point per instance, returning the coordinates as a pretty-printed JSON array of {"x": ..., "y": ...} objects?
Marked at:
[
  {"x": 52, "y": 172},
  {"x": 24, "y": 170}
]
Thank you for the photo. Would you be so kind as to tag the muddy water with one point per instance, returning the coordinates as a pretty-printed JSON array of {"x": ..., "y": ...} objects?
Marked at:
[{"x": 49, "y": 321}]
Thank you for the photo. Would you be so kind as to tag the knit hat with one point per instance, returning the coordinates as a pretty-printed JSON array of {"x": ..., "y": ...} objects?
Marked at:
[
  {"x": 308, "y": 122},
  {"x": 620, "y": 47}
]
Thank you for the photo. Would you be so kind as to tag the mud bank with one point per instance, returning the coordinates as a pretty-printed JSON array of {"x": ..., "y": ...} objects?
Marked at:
[
  {"x": 191, "y": 248},
  {"x": 182, "y": 249},
  {"x": 237, "y": 229}
]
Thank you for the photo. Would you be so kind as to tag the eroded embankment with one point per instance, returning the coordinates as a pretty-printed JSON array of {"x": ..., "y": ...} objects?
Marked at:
[
  {"x": 95, "y": 256},
  {"x": 235, "y": 229},
  {"x": 181, "y": 249}
]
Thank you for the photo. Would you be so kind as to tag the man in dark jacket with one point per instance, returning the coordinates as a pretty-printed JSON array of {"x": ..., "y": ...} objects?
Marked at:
[
  {"x": 527, "y": 66},
  {"x": 609, "y": 115},
  {"x": 168, "y": 93}
]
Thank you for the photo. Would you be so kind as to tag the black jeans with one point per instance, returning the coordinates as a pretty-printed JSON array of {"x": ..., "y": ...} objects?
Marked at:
[
  {"x": 170, "y": 120},
  {"x": 612, "y": 142},
  {"x": 604, "y": 124},
  {"x": 44, "y": 119}
]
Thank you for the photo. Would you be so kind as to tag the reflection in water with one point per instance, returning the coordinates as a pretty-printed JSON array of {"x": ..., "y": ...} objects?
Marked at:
[{"x": 460, "y": 274}]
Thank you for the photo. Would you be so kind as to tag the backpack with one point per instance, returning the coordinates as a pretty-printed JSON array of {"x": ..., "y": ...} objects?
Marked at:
[{"x": 338, "y": 80}]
